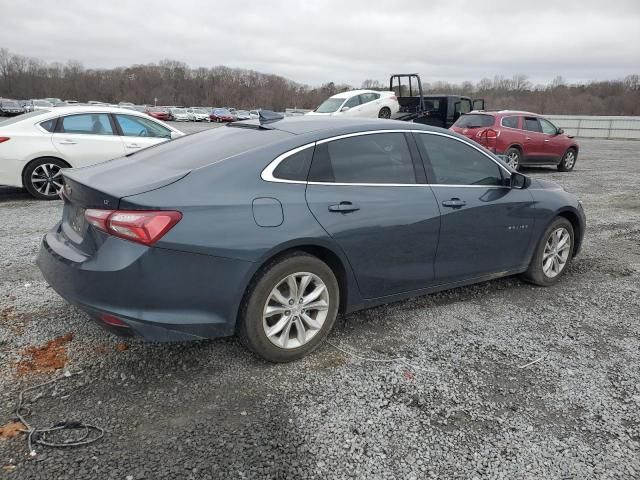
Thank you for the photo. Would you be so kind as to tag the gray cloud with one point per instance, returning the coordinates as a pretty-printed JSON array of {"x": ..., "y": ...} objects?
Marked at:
[{"x": 348, "y": 41}]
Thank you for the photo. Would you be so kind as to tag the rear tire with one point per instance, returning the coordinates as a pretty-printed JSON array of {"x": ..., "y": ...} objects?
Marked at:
[
  {"x": 280, "y": 323},
  {"x": 42, "y": 178},
  {"x": 513, "y": 157},
  {"x": 568, "y": 160},
  {"x": 385, "y": 112},
  {"x": 553, "y": 254}
]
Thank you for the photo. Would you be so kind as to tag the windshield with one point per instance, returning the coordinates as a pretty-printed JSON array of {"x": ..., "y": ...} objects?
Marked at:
[
  {"x": 221, "y": 111},
  {"x": 6, "y": 103},
  {"x": 178, "y": 110},
  {"x": 199, "y": 110},
  {"x": 330, "y": 105},
  {"x": 474, "y": 121}
]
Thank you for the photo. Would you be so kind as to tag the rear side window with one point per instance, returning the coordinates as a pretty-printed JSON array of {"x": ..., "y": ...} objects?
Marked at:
[
  {"x": 378, "y": 158},
  {"x": 510, "y": 122},
  {"x": 455, "y": 163},
  {"x": 295, "y": 167},
  {"x": 49, "y": 125},
  {"x": 474, "y": 121},
  {"x": 532, "y": 124},
  {"x": 369, "y": 97},
  {"x": 87, "y": 124}
]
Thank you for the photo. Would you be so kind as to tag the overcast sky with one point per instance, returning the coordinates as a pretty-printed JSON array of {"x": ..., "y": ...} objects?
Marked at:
[{"x": 346, "y": 41}]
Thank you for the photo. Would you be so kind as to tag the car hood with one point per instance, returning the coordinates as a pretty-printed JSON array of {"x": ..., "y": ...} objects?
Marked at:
[
  {"x": 320, "y": 114},
  {"x": 539, "y": 184}
]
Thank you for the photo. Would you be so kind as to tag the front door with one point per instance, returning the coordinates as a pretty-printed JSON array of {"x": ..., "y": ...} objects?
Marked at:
[
  {"x": 554, "y": 144},
  {"x": 363, "y": 190},
  {"x": 139, "y": 132},
  {"x": 485, "y": 226},
  {"x": 534, "y": 141}
]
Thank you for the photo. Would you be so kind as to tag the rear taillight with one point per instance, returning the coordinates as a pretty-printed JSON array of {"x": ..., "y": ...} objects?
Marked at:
[
  {"x": 4, "y": 139},
  {"x": 141, "y": 226},
  {"x": 113, "y": 321},
  {"x": 488, "y": 138}
]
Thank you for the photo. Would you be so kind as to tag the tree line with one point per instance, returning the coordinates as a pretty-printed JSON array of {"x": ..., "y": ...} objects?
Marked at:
[{"x": 175, "y": 83}]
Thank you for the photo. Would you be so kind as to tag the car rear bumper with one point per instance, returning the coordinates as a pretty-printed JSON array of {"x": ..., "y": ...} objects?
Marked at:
[{"x": 160, "y": 294}]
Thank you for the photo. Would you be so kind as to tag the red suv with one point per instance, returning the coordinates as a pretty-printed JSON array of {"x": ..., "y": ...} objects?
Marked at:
[{"x": 523, "y": 138}]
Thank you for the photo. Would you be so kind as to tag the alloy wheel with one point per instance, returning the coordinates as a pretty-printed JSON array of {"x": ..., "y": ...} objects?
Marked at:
[
  {"x": 47, "y": 179},
  {"x": 513, "y": 159},
  {"x": 556, "y": 252},
  {"x": 295, "y": 310},
  {"x": 384, "y": 113},
  {"x": 569, "y": 159}
]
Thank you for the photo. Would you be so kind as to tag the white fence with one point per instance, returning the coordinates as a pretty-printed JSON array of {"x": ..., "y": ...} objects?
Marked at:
[{"x": 598, "y": 127}]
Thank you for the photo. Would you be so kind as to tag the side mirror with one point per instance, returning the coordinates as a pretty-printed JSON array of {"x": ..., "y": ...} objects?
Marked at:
[
  {"x": 560, "y": 131},
  {"x": 344, "y": 109},
  {"x": 519, "y": 180}
]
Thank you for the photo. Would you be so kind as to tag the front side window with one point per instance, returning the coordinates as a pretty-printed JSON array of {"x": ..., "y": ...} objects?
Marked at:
[
  {"x": 132, "y": 126},
  {"x": 353, "y": 102},
  {"x": 531, "y": 124},
  {"x": 86, "y": 124},
  {"x": 330, "y": 105},
  {"x": 377, "y": 158},
  {"x": 453, "y": 162},
  {"x": 548, "y": 127},
  {"x": 510, "y": 122}
]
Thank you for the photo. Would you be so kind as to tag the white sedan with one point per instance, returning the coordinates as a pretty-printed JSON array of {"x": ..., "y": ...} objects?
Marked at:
[
  {"x": 197, "y": 114},
  {"x": 359, "y": 103},
  {"x": 35, "y": 146}
]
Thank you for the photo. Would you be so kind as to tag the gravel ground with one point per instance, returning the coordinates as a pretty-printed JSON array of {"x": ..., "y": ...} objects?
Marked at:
[{"x": 459, "y": 406}]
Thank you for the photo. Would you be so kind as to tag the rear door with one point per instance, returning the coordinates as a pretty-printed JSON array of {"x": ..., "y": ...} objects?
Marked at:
[
  {"x": 366, "y": 192},
  {"x": 138, "y": 132},
  {"x": 87, "y": 138},
  {"x": 485, "y": 226}
]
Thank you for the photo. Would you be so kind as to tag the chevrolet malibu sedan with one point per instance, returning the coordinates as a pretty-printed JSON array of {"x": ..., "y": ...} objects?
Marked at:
[
  {"x": 269, "y": 228},
  {"x": 36, "y": 146}
]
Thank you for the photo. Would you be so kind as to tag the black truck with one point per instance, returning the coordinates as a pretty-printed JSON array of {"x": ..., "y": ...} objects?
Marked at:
[{"x": 437, "y": 110}]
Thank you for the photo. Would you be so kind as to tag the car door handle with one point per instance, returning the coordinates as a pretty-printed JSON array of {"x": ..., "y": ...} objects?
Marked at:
[
  {"x": 527, "y": 138},
  {"x": 344, "y": 207},
  {"x": 546, "y": 140},
  {"x": 454, "y": 203},
  {"x": 133, "y": 145},
  {"x": 67, "y": 142}
]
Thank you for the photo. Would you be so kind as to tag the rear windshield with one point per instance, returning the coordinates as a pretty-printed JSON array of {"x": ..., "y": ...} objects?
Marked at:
[{"x": 475, "y": 121}]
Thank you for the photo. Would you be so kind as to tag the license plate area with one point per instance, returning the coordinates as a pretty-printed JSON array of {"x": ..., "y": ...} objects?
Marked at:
[{"x": 77, "y": 220}]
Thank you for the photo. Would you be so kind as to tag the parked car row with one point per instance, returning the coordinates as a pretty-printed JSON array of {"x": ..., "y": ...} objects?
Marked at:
[{"x": 520, "y": 138}]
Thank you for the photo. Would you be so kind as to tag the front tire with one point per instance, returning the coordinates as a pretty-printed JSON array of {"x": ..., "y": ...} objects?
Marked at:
[
  {"x": 568, "y": 160},
  {"x": 385, "y": 112},
  {"x": 553, "y": 254},
  {"x": 290, "y": 308},
  {"x": 43, "y": 178}
]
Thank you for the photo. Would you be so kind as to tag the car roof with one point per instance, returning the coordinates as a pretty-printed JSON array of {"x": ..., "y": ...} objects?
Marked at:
[
  {"x": 300, "y": 125},
  {"x": 351, "y": 93},
  {"x": 504, "y": 112}
]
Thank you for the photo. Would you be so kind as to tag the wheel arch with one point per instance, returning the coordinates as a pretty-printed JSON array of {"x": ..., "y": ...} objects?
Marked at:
[
  {"x": 42, "y": 157},
  {"x": 339, "y": 265},
  {"x": 578, "y": 228}
]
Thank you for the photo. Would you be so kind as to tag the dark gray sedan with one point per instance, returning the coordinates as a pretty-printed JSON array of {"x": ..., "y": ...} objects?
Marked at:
[{"x": 269, "y": 228}]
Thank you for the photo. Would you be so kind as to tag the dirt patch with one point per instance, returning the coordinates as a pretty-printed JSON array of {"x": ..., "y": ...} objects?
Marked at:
[
  {"x": 49, "y": 357},
  {"x": 11, "y": 430},
  {"x": 121, "y": 347}
]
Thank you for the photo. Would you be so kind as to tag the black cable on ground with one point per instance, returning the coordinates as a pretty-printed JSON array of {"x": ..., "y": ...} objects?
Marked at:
[{"x": 43, "y": 435}]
